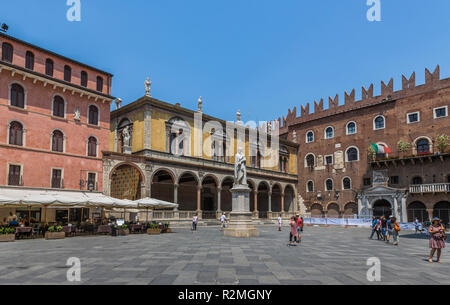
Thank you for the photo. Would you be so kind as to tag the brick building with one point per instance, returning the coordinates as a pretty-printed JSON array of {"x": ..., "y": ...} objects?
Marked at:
[
  {"x": 342, "y": 175},
  {"x": 54, "y": 120}
]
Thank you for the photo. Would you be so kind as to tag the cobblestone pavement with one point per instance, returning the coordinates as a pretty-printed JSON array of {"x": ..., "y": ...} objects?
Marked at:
[{"x": 333, "y": 255}]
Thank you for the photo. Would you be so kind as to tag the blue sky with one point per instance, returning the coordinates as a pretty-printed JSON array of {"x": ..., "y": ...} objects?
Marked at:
[{"x": 262, "y": 57}]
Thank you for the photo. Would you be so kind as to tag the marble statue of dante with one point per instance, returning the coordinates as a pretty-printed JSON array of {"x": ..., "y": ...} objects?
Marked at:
[
  {"x": 240, "y": 170},
  {"x": 126, "y": 136},
  {"x": 148, "y": 87}
]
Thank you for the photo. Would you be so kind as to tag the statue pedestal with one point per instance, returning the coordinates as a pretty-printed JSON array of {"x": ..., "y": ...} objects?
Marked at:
[
  {"x": 241, "y": 224},
  {"x": 127, "y": 150}
]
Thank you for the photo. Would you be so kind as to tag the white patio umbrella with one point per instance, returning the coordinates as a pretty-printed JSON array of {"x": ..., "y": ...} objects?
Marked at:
[
  {"x": 6, "y": 200},
  {"x": 151, "y": 203}
]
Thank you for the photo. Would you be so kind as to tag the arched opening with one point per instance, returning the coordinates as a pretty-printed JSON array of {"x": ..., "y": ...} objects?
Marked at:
[
  {"x": 126, "y": 182},
  {"x": 423, "y": 146},
  {"x": 263, "y": 200},
  {"x": 163, "y": 186},
  {"x": 350, "y": 210},
  {"x": 317, "y": 211},
  {"x": 225, "y": 195},
  {"x": 187, "y": 192},
  {"x": 289, "y": 199},
  {"x": 382, "y": 208},
  {"x": 209, "y": 198},
  {"x": 442, "y": 210},
  {"x": 310, "y": 161},
  {"x": 417, "y": 210},
  {"x": 333, "y": 210},
  {"x": 276, "y": 198}
]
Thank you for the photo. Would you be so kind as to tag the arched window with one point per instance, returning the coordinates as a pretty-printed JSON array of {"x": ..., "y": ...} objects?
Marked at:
[
  {"x": 379, "y": 122},
  {"x": 329, "y": 133},
  {"x": 17, "y": 96},
  {"x": 7, "y": 52},
  {"x": 423, "y": 146},
  {"x": 329, "y": 185},
  {"x": 49, "y": 67},
  {"x": 58, "y": 106},
  {"x": 92, "y": 147},
  {"x": 352, "y": 154},
  {"x": 310, "y": 161},
  {"x": 84, "y": 78},
  {"x": 16, "y": 134},
  {"x": 67, "y": 73},
  {"x": 310, "y": 186},
  {"x": 346, "y": 183},
  {"x": 93, "y": 115},
  {"x": 177, "y": 133},
  {"x": 310, "y": 137},
  {"x": 351, "y": 128},
  {"x": 29, "y": 60},
  {"x": 417, "y": 180},
  {"x": 58, "y": 141},
  {"x": 99, "y": 84}
]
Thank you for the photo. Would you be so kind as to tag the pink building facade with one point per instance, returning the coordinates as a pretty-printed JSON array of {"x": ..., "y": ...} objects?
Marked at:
[{"x": 54, "y": 119}]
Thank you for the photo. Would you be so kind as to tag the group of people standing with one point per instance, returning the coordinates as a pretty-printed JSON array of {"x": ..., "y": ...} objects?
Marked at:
[
  {"x": 385, "y": 228},
  {"x": 296, "y": 228}
]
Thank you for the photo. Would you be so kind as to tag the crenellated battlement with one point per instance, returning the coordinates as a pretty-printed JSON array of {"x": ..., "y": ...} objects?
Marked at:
[{"x": 409, "y": 88}]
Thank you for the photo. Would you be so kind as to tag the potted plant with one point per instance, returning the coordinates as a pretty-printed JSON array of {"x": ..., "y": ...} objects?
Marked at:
[
  {"x": 153, "y": 229},
  {"x": 442, "y": 143},
  {"x": 123, "y": 230},
  {"x": 166, "y": 228},
  {"x": 55, "y": 232},
  {"x": 7, "y": 234},
  {"x": 371, "y": 154},
  {"x": 403, "y": 148}
]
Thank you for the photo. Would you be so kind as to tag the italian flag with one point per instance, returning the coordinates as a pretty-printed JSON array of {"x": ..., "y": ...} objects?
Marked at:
[{"x": 380, "y": 149}]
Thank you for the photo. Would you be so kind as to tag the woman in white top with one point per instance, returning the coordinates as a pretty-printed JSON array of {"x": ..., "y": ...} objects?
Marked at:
[
  {"x": 194, "y": 222},
  {"x": 280, "y": 221},
  {"x": 223, "y": 220}
]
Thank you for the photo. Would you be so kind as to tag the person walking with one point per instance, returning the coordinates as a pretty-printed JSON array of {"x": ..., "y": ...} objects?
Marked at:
[
  {"x": 389, "y": 228},
  {"x": 374, "y": 228},
  {"x": 194, "y": 222},
  {"x": 303, "y": 224},
  {"x": 280, "y": 222},
  {"x": 383, "y": 228},
  {"x": 395, "y": 231},
  {"x": 417, "y": 226},
  {"x": 437, "y": 239},
  {"x": 223, "y": 221},
  {"x": 293, "y": 231},
  {"x": 299, "y": 229}
]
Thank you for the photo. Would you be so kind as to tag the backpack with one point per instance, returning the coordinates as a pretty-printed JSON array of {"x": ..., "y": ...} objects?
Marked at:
[{"x": 397, "y": 227}]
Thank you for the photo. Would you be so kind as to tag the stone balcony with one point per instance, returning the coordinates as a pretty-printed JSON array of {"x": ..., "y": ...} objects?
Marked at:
[{"x": 430, "y": 188}]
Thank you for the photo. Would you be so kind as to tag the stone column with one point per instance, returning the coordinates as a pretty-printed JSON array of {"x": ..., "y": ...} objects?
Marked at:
[
  {"x": 199, "y": 198},
  {"x": 255, "y": 211},
  {"x": 395, "y": 213},
  {"x": 269, "y": 212},
  {"x": 219, "y": 203},
  {"x": 404, "y": 210},
  {"x": 430, "y": 213},
  {"x": 147, "y": 127},
  {"x": 282, "y": 204},
  {"x": 175, "y": 194}
]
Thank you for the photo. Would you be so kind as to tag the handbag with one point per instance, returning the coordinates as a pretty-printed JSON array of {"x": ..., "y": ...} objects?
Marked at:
[{"x": 397, "y": 227}]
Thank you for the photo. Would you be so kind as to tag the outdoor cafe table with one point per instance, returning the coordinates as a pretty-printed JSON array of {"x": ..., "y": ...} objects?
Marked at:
[
  {"x": 136, "y": 228},
  {"x": 20, "y": 231},
  {"x": 104, "y": 229}
]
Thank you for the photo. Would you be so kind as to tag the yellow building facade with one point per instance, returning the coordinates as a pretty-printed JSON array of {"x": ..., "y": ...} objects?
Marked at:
[{"x": 168, "y": 152}]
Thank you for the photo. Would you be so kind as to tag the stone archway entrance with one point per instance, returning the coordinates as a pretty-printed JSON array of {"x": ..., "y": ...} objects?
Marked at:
[
  {"x": 442, "y": 210},
  {"x": 417, "y": 210},
  {"x": 382, "y": 207},
  {"x": 209, "y": 198},
  {"x": 126, "y": 182},
  {"x": 163, "y": 186},
  {"x": 187, "y": 192}
]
